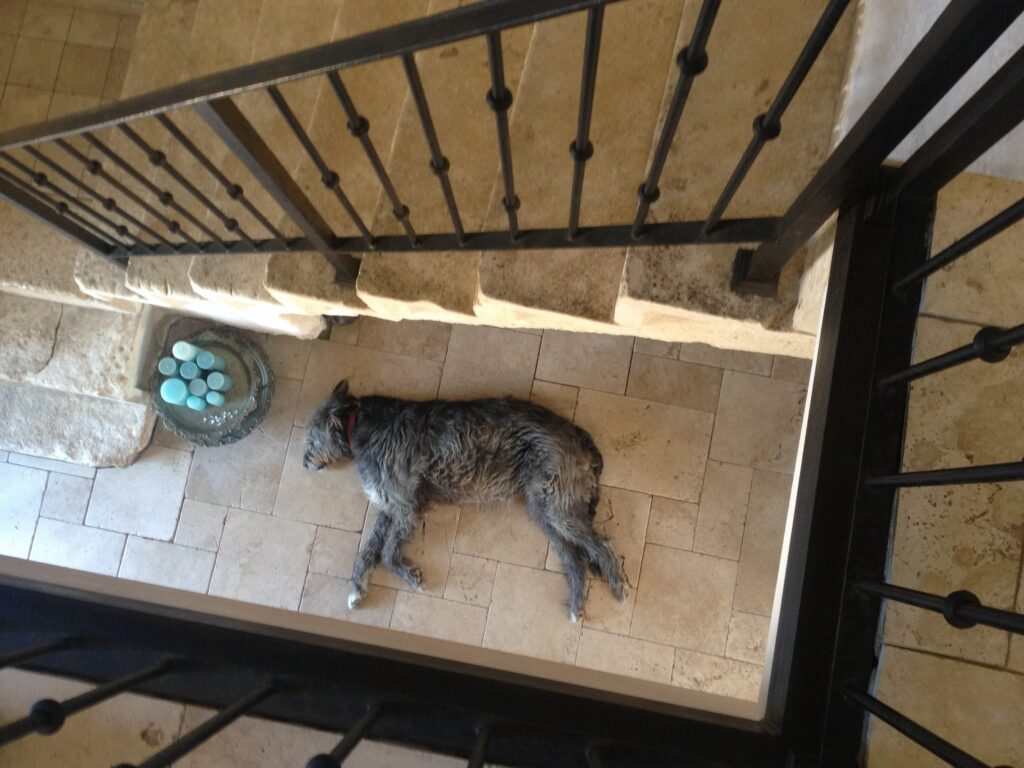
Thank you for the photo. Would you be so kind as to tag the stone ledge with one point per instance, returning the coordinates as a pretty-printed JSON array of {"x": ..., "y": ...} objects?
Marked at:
[
  {"x": 440, "y": 286},
  {"x": 97, "y": 277},
  {"x": 305, "y": 284}
]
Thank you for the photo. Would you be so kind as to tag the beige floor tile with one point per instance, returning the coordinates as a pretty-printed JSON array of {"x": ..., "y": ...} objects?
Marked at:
[
  {"x": 603, "y": 612},
  {"x": 715, "y": 674},
  {"x": 66, "y": 498},
  {"x": 674, "y": 383},
  {"x": 7, "y": 46},
  {"x": 748, "y": 637},
  {"x": 331, "y": 496},
  {"x": 559, "y": 398},
  {"x": 51, "y": 465},
  {"x": 657, "y": 348},
  {"x": 126, "y": 32},
  {"x": 200, "y": 525},
  {"x": 35, "y": 63},
  {"x": 758, "y": 422},
  {"x": 730, "y": 359},
  {"x": 83, "y": 69},
  {"x": 77, "y": 546},
  {"x": 288, "y": 356},
  {"x": 625, "y": 656},
  {"x": 470, "y": 579},
  {"x": 368, "y": 371},
  {"x": 68, "y": 103},
  {"x": 622, "y": 518},
  {"x": 684, "y": 599},
  {"x": 648, "y": 447},
  {"x": 762, "y": 542},
  {"x": 430, "y": 548},
  {"x": 116, "y": 74},
  {"x": 723, "y": 510},
  {"x": 528, "y": 615},
  {"x": 166, "y": 438},
  {"x": 90, "y": 27},
  {"x": 21, "y": 498},
  {"x": 328, "y": 596},
  {"x": 975, "y": 708},
  {"x": 411, "y": 338},
  {"x": 347, "y": 333},
  {"x": 22, "y": 105},
  {"x": 473, "y": 370},
  {"x": 144, "y": 498},
  {"x": 169, "y": 565},
  {"x": 673, "y": 523},
  {"x": 46, "y": 20},
  {"x": 334, "y": 553},
  {"x": 262, "y": 559},
  {"x": 501, "y": 531},
  {"x": 795, "y": 369},
  {"x": 443, "y": 619},
  {"x": 959, "y": 537},
  {"x": 11, "y": 14},
  {"x": 247, "y": 473},
  {"x": 125, "y": 728},
  {"x": 588, "y": 360}
]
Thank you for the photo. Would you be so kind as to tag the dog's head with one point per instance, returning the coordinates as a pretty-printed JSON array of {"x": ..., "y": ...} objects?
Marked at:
[{"x": 326, "y": 436}]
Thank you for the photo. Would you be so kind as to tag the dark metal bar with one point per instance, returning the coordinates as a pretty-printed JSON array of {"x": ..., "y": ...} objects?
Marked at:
[
  {"x": 234, "y": 191},
  {"x": 768, "y": 126},
  {"x": 499, "y": 98},
  {"x": 692, "y": 60},
  {"x": 359, "y": 127},
  {"x": 163, "y": 195},
  {"x": 431, "y": 31},
  {"x": 47, "y": 716},
  {"x": 917, "y": 733},
  {"x": 479, "y": 754},
  {"x": 438, "y": 162},
  {"x": 178, "y": 749},
  {"x": 1001, "y": 221},
  {"x": 349, "y": 742},
  {"x": 327, "y": 175},
  {"x": 616, "y": 236},
  {"x": 958, "y": 38},
  {"x": 16, "y": 657},
  {"x": 109, "y": 203},
  {"x": 96, "y": 168},
  {"x": 228, "y": 122},
  {"x": 582, "y": 149},
  {"x": 995, "y": 109},
  {"x": 159, "y": 160},
  {"x": 990, "y": 344},
  {"x": 962, "y": 609},
  {"x": 986, "y": 473}
]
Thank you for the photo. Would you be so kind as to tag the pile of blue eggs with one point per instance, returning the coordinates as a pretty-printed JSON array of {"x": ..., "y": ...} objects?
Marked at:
[{"x": 195, "y": 377}]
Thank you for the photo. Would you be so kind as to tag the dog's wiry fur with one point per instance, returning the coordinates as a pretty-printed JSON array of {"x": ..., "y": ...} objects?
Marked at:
[{"x": 408, "y": 453}]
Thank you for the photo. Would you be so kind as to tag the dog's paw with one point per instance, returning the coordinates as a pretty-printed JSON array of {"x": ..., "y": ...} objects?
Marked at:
[
  {"x": 620, "y": 591},
  {"x": 355, "y": 597},
  {"x": 414, "y": 576}
]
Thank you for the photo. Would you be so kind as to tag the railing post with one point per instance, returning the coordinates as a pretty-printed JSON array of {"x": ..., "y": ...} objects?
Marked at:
[{"x": 228, "y": 122}]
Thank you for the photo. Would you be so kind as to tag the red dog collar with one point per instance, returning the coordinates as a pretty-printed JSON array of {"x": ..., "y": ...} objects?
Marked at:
[{"x": 351, "y": 425}]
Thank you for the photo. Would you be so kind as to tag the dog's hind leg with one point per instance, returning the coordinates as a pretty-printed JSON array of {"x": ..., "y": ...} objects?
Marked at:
[
  {"x": 402, "y": 529},
  {"x": 369, "y": 555},
  {"x": 573, "y": 561},
  {"x": 580, "y": 532}
]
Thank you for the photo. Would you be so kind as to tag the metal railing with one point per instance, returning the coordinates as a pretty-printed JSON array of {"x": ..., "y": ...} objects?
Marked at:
[{"x": 821, "y": 693}]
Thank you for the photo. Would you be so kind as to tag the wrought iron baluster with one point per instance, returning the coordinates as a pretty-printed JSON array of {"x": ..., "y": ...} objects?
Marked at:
[
  {"x": 350, "y": 741},
  {"x": 234, "y": 191},
  {"x": 328, "y": 176},
  {"x": 438, "y": 162},
  {"x": 499, "y": 98},
  {"x": 32, "y": 651},
  {"x": 359, "y": 127},
  {"x": 48, "y": 716},
  {"x": 692, "y": 60},
  {"x": 986, "y": 473},
  {"x": 768, "y": 126},
  {"x": 581, "y": 148},
  {"x": 961, "y": 609},
  {"x": 479, "y": 754},
  {"x": 159, "y": 160},
  {"x": 990, "y": 344}
]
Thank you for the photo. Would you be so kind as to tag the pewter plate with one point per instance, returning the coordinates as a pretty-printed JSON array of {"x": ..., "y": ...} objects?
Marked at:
[{"x": 246, "y": 404}]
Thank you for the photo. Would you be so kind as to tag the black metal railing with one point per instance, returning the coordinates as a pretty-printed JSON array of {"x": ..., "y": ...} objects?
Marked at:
[{"x": 821, "y": 694}]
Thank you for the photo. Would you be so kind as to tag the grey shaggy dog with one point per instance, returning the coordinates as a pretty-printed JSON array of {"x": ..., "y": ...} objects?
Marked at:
[{"x": 408, "y": 453}]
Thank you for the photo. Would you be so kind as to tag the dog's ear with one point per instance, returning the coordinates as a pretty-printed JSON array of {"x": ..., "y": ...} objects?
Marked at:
[{"x": 341, "y": 390}]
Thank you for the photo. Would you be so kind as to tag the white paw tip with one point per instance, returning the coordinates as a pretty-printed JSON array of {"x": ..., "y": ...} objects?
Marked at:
[
  {"x": 354, "y": 599},
  {"x": 573, "y": 618}
]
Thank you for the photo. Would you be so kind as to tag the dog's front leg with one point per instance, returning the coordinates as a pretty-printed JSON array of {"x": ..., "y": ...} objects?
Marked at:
[
  {"x": 369, "y": 555},
  {"x": 402, "y": 529}
]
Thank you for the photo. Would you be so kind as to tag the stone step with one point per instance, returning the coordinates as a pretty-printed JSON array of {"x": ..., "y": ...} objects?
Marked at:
[
  {"x": 94, "y": 431},
  {"x": 456, "y": 79},
  {"x": 74, "y": 349}
]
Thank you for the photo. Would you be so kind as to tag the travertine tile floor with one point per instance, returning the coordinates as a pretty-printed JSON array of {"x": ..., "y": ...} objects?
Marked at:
[{"x": 698, "y": 445}]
